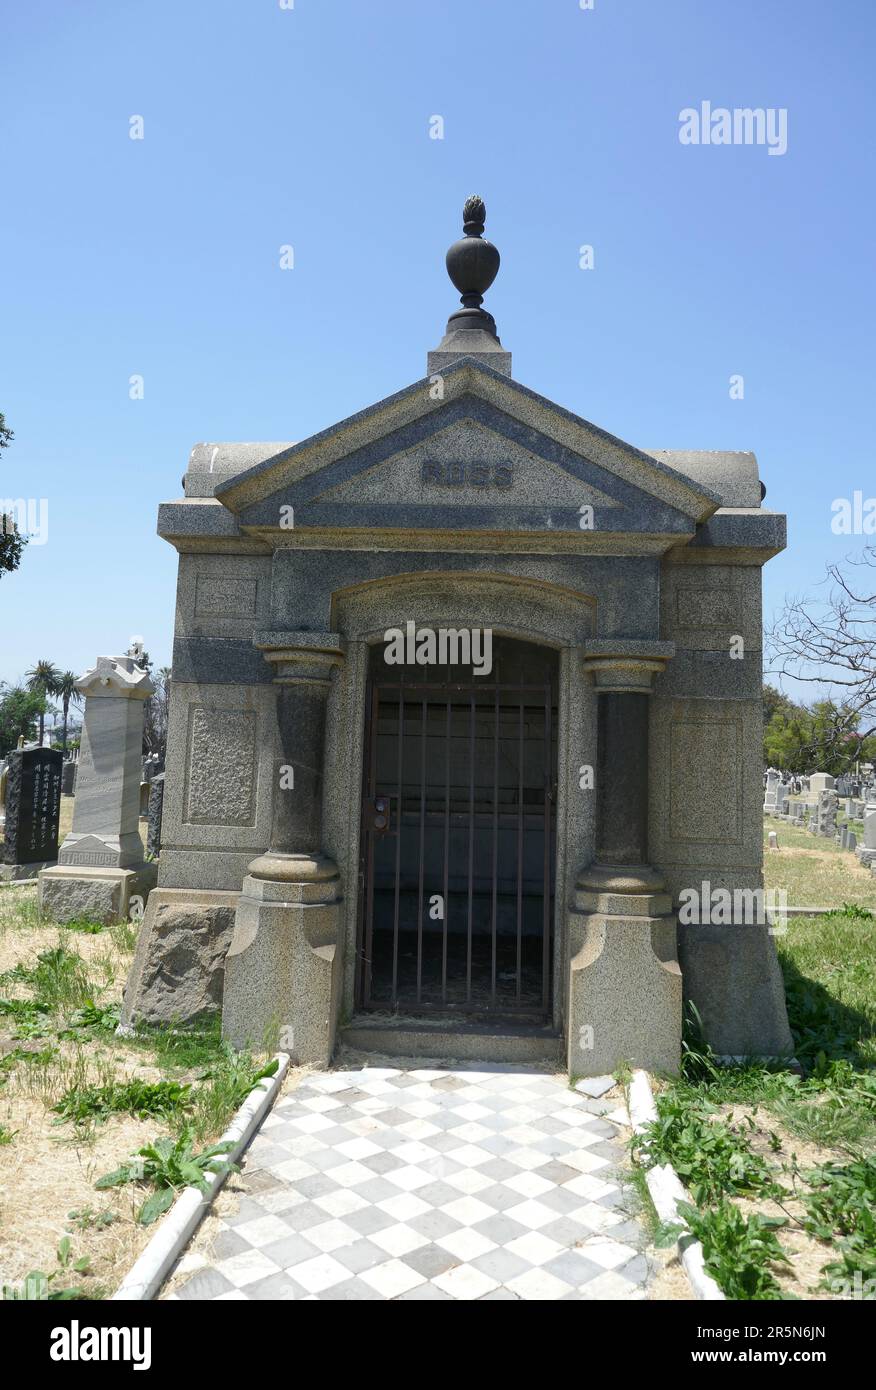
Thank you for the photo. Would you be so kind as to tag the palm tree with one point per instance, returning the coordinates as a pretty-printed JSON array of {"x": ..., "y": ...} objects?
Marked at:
[
  {"x": 43, "y": 680},
  {"x": 66, "y": 688}
]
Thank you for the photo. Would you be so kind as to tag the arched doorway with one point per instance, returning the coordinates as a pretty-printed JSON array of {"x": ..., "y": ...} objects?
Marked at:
[{"x": 458, "y": 835}]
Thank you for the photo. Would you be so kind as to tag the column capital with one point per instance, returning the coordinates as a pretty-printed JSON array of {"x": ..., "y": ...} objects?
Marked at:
[
  {"x": 625, "y": 664},
  {"x": 302, "y": 657}
]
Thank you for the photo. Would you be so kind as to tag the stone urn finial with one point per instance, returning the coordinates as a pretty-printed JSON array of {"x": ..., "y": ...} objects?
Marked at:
[{"x": 472, "y": 262}]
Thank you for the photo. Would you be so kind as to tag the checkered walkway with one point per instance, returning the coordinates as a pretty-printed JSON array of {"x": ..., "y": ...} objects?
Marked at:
[{"x": 462, "y": 1184}]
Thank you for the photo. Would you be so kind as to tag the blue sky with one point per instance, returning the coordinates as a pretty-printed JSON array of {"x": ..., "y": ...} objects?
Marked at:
[{"x": 310, "y": 127}]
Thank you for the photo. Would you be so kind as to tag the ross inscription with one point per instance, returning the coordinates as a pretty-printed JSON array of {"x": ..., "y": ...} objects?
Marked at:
[{"x": 435, "y": 473}]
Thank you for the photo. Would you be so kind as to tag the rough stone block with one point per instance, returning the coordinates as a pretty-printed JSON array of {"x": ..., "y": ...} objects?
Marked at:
[
  {"x": 100, "y": 895},
  {"x": 177, "y": 972}
]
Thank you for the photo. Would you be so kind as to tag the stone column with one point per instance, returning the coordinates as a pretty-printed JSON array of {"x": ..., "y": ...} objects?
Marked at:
[
  {"x": 100, "y": 864},
  {"x": 283, "y": 968},
  {"x": 625, "y": 984}
]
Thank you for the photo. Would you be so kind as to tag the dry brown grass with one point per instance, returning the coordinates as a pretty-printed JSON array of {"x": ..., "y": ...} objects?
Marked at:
[{"x": 49, "y": 1168}]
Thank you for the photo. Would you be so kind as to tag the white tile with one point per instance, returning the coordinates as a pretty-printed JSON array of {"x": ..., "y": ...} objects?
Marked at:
[
  {"x": 465, "y": 1282},
  {"x": 352, "y": 1174},
  {"x": 529, "y": 1184},
  {"x": 415, "y": 1151},
  {"x": 538, "y": 1284},
  {"x": 470, "y": 1156},
  {"x": 281, "y": 1199},
  {"x": 472, "y": 1132},
  {"x": 358, "y": 1148},
  {"x": 320, "y": 1104},
  {"x": 418, "y": 1129},
  {"x": 409, "y": 1178},
  {"x": 311, "y": 1124},
  {"x": 605, "y": 1252},
  {"x": 403, "y": 1206},
  {"x": 294, "y": 1168},
  {"x": 528, "y": 1158},
  {"x": 263, "y": 1230},
  {"x": 341, "y": 1202},
  {"x": 468, "y": 1211},
  {"x": 398, "y": 1240},
  {"x": 475, "y": 1111},
  {"x": 248, "y": 1266},
  {"x": 468, "y": 1180},
  {"x": 318, "y": 1274},
  {"x": 535, "y": 1248},
  {"x": 585, "y": 1161},
  {"x": 390, "y": 1279},
  {"x": 589, "y": 1186},
  {"x": 331, "y": 1235},
  {"x": 466, "y": 1244},
  {"x": 531, "y": 1214}
]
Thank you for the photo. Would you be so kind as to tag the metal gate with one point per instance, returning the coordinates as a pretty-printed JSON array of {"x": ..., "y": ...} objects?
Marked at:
[{"x": 458, "y": 838}]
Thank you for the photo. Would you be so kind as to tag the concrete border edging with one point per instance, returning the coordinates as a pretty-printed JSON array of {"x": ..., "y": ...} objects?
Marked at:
[
  {"x": 667, "y": 1191},
  {"x": 146, "y": 1276}
]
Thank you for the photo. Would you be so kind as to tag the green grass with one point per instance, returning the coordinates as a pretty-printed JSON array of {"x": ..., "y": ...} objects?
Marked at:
[
  {"x": 829, "y": 968},
  {"x": 143, "y": 1099},
  {"x": 817, "y": 873}
]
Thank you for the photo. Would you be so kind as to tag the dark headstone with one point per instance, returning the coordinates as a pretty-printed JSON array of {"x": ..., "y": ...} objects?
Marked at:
[
  {"x": 156, "y": 802},
  {"x": 68, "y": 778},
  {"x": 33, "y": 806}
]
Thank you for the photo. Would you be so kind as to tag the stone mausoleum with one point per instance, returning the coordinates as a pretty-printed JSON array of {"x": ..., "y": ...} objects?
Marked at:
[{"x": 466, "y": 695}]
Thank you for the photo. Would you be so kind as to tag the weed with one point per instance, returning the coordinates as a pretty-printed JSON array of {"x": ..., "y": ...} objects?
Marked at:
[
  {"x": 139, "y": 1098},
  {"x": 87, "y": 1218},
  {"x": 842, "y": 1210},
  {"x": 738, "y": 1250},
  {"x": 37, "y": 1285},
  {"x": 169, "y": 1165},
  {"x": 710, "y": 1156}
]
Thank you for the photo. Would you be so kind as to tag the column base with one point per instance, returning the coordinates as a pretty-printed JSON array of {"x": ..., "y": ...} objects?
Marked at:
[
  {"x": 283, "y": 976},
  {"x": 625, "y": 989}
]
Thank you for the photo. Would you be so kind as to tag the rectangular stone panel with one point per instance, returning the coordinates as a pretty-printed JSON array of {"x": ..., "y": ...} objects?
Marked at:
[
  {"x": 225, "y": 596},
  {"x": 221, "y": 766},
  {"x": 705, "y": 760},
  {"x": 705, "y": 607}
]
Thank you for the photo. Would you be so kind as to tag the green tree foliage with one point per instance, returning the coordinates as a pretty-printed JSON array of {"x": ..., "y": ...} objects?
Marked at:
[
  {"x": 20, "y": 711},
  {"x": 823, "y": 737},
  {"x": 43, "y": 679},
  {"x": 69, "y": 695}
]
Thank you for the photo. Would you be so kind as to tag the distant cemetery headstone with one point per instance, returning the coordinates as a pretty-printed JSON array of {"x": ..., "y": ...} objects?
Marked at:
[
  {"x": 821, "y": 782},
  {"x": 68, "y": 778},
  {"x": 101, "y": 866},
  {"x": 825, "y": 815},
  {"x": 156, "y": 805},
  {"x": 33, "y": 808},
  {"x": 866, "y": 852}
]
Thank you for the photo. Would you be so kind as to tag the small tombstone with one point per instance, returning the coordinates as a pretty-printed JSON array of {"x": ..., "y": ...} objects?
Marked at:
[
  {"x": 101, "y": 862},
  {"x": 774, "y": 840},
  {"x": 156, "y": 805},
  {"x": 33, "y": 808}
]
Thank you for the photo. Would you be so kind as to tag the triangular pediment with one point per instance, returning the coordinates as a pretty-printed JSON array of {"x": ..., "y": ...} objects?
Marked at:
[{"x": 484, "y": 456}]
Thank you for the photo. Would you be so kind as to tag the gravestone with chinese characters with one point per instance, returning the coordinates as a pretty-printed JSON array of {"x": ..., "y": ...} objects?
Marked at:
[{"x": 33, "y": 806}]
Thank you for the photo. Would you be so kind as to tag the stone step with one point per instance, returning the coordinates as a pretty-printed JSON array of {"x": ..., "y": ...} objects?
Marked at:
[{"x": 453, "y": 1039}]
